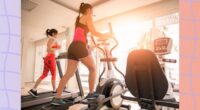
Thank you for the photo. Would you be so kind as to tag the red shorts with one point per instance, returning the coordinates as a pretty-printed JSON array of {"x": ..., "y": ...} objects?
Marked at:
[{"x": 49, "y": 65}]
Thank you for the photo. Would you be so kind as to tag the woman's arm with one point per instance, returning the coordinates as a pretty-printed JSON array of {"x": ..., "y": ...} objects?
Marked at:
[
  {"x": 62, "y": 33},
  {"x": 93, "y": 30}
]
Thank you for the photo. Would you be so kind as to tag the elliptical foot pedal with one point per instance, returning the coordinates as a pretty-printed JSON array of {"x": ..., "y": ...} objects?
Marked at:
[
  {"x": 93, "y": 100},
  {"x": 89, "y": 101}
]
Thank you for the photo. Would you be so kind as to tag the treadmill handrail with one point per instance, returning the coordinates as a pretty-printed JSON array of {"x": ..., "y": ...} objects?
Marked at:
[{"x": 62, "y": 56}]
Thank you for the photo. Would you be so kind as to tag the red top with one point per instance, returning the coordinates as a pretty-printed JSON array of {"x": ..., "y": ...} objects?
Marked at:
[{"x": 81, "y": 33}]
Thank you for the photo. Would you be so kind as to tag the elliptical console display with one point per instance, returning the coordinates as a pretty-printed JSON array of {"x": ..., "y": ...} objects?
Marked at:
[{"x": 162, "y": 46}]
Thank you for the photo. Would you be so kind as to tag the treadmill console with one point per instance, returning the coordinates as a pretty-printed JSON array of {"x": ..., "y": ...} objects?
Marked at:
[{"x": 162, "y": 46}]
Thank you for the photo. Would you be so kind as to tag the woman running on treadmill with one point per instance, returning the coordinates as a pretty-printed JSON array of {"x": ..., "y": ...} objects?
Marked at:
[
  {"x": 49, "y": 61},
  {"x": 79, "y": 51}
]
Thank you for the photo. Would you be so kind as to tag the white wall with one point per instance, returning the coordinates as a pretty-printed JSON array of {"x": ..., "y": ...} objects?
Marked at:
[
  {"x": 28, "y": 60},
  {"x": 46, "y": 15}
]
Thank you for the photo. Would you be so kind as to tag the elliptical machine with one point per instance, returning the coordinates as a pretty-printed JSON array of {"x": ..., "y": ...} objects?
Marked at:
[{"x": 109, "y": 88}]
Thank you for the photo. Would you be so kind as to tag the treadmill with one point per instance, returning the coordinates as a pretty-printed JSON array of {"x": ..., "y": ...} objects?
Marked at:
[{"x": 29, "y": 102}]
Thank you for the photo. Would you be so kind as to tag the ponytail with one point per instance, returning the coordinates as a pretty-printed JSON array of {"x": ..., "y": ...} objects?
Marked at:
[
  {"x": 82, "y": 9},
  {"x": 48, "y": 32},
  {"x": 77, "y": 20},
  {"x": 78, "y": 17},
  {"x": 51, "y": 32}
]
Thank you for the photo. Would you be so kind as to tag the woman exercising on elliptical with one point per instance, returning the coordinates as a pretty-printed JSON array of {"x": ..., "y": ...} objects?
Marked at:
[
  {"x": 79, "y": 51},
  {"x": 49, "y": 61}
]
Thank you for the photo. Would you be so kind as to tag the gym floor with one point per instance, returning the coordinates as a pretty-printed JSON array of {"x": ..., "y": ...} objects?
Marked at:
[{"x": 45, "y": 87}]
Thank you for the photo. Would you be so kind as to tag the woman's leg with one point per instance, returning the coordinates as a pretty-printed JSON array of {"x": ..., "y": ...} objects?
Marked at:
[
  {"x": 89, "y": 63},
  {"x": 44, "y": 75},
  {"x": 37, "y": 83},
  {"x": 71, "y": 69},
  {"x": 53, "y": 73},
  {"x": 33, "y": 91},
  {"x": 53, "y": 82}
]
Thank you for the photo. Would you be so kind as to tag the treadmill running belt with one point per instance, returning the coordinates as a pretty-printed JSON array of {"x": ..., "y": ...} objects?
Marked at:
[
  {"x": 28, "y": 101},
  {"x": 31, "y": 98}
]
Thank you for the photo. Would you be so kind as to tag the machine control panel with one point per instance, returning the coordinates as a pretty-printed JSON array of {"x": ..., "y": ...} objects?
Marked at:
[{"x": 162, "y": 46}]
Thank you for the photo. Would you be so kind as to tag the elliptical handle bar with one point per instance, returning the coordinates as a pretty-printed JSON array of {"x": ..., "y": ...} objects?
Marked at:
[
  {"x": 116, "y": 42},
  {"x": 97, "y": 45},
  {"x": 110, "y": 27}
]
